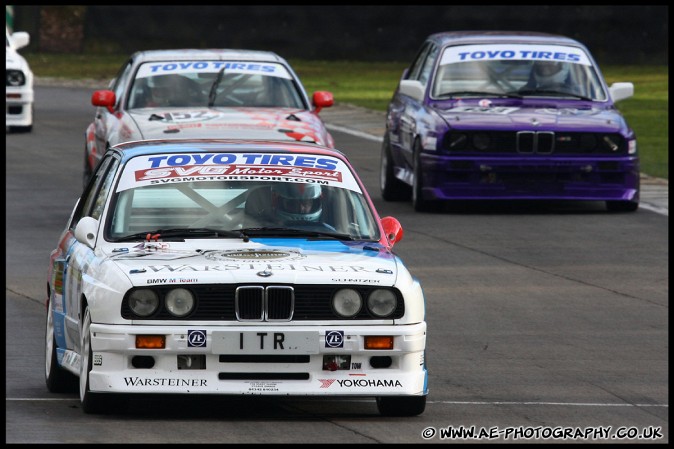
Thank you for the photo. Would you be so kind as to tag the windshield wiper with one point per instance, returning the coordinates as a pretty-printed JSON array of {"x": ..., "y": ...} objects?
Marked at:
[
  {"x": 280, "y": 231},
  {"x": 178, "y": 233},
  {"x": 214, "y": 88},
  {"x": 478, "y": 93},
  {"x": 556, "y": 93}
]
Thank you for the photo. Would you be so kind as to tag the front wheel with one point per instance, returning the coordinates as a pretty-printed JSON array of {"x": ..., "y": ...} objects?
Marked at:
[
  {"x": 392, "y": 189},
  {"x": 420, "y": 204},
  {"x": 401, "y": 405},
  {"x": 622, "y": 206},
  {"x": 92, "y": 403}
]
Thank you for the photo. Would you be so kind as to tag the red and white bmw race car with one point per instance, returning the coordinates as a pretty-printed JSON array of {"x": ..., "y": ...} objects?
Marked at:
[{"x": 187, "y": 93}]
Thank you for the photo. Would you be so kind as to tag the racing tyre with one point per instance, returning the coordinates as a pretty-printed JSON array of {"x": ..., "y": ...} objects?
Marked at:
[
  {"x": 418, "y": 201},
  {"x": 58, "y": 380},
  {"x": 401, "y": 405},
  {"x": 21, "y": 129},
  {"x": 392, "y": 189},
  {"x": 92, "y": 403},
  {"x": 622, "y": 206}
]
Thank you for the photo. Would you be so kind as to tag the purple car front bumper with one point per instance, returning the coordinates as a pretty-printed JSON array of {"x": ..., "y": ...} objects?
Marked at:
[{"x": 527, "y": 178}]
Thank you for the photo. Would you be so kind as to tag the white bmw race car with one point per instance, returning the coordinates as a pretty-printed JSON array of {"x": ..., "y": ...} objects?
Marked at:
[
  {"x": 19, "y": 82},
  {"x": 235, "y": 268}
]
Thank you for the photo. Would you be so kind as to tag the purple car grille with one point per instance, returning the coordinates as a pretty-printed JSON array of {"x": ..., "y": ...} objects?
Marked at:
[{"x": 534, "y": 142}]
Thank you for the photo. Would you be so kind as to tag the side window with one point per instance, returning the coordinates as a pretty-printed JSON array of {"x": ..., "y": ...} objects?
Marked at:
[
  {"x": 121, "y": 81},
  {"x": 418, "y": 63},
  {"x": 104, "y": 190},
  {"x": 429, "y": 64},
  {"x": 90, "y": 195}
]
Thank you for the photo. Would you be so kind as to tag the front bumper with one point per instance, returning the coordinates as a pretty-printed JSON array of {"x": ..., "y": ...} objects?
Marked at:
[
  {"x": 215, "y": 367},
  {"x": 530, "y": 178},
  {"x": 19, "y": 106}
]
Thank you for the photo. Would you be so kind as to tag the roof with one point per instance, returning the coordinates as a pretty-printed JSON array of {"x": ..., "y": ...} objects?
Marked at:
[
  {"x": 144, "y": 147},
  {"x": 498, "y": 37},
  {"x": 207, "y": 54}
]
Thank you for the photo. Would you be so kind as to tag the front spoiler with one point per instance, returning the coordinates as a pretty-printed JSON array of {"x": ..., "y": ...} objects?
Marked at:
[
  {"x": 530, "y": 178},
  {"x": 114, "y": 350}
]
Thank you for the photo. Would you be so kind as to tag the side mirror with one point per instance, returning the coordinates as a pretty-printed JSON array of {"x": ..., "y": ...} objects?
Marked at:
[
  {"x": 412, "y": 88},
  {"x": 620, "y": 91},
  {"x": 86, "y": 230},
  {"x": 104, "y": 98},
  {"x": 20, "y": 39},
  {"x": 322, "y": 99},
  {"x": 393, "y": 229}
]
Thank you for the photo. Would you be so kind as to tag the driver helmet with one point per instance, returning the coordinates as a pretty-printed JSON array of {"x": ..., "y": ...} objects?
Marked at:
[
  {"x": 548, "y": 73},
  {"x": 298, "y": 202},
  {"x": 165, "y": 90}
]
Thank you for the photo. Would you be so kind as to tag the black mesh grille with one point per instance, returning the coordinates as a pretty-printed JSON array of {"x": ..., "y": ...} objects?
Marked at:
[
  {"x": 279, "y": 303},
  {"x": 535, "y": 142},
  {"x": 250, "y": 303},
  {"x": 216, "y": 302}
]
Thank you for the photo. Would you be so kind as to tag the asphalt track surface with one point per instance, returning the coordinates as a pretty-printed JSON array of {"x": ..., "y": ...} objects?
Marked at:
[{"x": 546, "y": 323}]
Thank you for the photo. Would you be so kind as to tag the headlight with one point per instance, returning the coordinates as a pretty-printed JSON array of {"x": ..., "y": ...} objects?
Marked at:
[
  {"x": 481, "y": 141},
  {"x": 15, "y": 78},
  {"x": 143, "y": 302},
  {"x": 347, "y": 302},
  {"x": 179, "y": 302},
  {"x": 455, "y": 141},
  {"x": 381, "y": 303},
  {"x": 632, "y": 147}
]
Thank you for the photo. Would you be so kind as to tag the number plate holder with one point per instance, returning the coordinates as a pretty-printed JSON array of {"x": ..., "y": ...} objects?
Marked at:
[{"x": 263, "y": 341}]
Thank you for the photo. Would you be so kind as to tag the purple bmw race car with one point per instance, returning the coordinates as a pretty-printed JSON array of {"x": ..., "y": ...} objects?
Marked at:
[{"x": 508, "y": 116}]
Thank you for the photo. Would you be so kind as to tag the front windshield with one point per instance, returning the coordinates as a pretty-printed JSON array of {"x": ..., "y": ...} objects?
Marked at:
[
  {"x": 215, "y": 198},
  {"x": 214, "y": 84},
  {"x": 508, "y": 70}
]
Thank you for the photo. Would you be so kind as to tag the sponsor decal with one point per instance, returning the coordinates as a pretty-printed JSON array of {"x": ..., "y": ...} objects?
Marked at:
[
  {"x": 72, "y": 359},
  {"x": 178, "y": 67},
  {"x": 253, "y": 255},
  {"x": 334, "y": 339},
  {"x": 325, "y": 383},
  {"x": 361, "y": 383},
  {"x": 262, "y": 386},
  {"x": 98, "y": 360},
  {"x": 259, "y": 267},
  {"x": 247, "y": 170},
  {"x": 196, "y": 339},
  {"x": 483, "y": 110},
  {"x": 173, "y": 281},
  {"x": 568, "y": 111},
  {"x": 514, "y": 52},
  {"x": 164, "y": 382},
  {"x": 186, "y": 116},
  {"x": 357, "y": 281},
  {"x": 162, "y": 169}
]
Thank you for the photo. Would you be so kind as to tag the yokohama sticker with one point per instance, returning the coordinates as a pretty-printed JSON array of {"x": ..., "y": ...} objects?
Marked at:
[{"x": 360, "y": 383}]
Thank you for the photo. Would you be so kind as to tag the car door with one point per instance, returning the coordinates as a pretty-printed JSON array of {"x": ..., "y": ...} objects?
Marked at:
[
  {"x": 77, "y": 258},
  {"x": 406, "y": 113}
]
